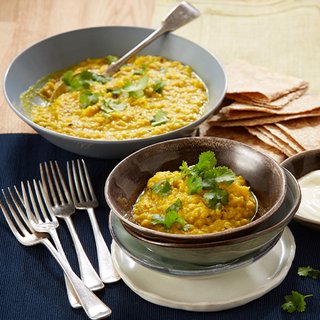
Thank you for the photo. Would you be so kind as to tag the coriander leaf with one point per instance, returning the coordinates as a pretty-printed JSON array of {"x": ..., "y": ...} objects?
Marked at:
[
  {"x": 136, "y": 90},
  {"x": 184, "y": 168},
  {"x": 207, "y": 160},
  {"x": 171, "y": 216},
  {"x": 176, "y": 206},
  {"x": 77, "y": 81},
  {"x": 100, "y": 78},
  {"x": 158, "y": 86},
  {"x": 115, "y": 92},
  {"x": 216, "y": 198},
  {"x": 109, "y": 106},
  {"x": 162, "y": 188},
  {"x": 308, "y": 272},
  {"x": 88, "y": 98},
  {"x": 224, "y": 174},
  {"x": 295, "y": 302},
  {"x": 194, "y": 184},
  {"x": 67, "y": 77},
  {"x": 159, "y": 118},
  {"x": 111, "y": 59},
  {"x": 138, "y": 71}
]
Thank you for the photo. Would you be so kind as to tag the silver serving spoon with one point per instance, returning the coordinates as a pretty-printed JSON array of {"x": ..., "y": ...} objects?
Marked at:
[{"x": 179, "y": 16}]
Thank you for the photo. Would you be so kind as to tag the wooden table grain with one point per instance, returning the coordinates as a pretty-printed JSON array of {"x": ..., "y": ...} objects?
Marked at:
[{"x": 24, "y": 22}]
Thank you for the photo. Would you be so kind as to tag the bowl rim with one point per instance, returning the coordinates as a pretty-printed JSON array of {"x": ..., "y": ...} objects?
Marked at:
[
  {"x": 242, "y": 238},
  {"x": 162, "y": 136},
  {"x": 198, "y": 237}
]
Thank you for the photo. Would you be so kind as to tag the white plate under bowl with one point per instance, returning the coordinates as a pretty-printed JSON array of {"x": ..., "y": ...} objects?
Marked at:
[{"x": 208, "y": 293}]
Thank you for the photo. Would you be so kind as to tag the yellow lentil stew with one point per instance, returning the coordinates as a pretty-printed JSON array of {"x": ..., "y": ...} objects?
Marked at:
[
  {"x": 148, "y": 96},
  {"x": 197, "y": 199}
]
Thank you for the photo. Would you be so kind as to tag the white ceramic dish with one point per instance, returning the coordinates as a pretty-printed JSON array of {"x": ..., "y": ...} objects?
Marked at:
[
  {"x": 209, "y": 293},
  {"x": 300, "y": 165}
]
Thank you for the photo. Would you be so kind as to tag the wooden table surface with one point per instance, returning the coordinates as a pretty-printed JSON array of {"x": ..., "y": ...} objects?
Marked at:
[{"x": 24, "y": 22}]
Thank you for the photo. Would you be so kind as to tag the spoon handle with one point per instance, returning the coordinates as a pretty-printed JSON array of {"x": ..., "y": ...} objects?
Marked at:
[{"x": 182, "y": 14}]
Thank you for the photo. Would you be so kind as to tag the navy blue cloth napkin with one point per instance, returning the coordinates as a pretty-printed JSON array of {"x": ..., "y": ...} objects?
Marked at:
[{"x": 32, "y": 284}]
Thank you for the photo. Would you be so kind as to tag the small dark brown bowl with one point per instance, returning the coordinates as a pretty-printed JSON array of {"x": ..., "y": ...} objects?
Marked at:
[
  {"x": 129, "y": 178},
  {"x": 300, "y": 165}
]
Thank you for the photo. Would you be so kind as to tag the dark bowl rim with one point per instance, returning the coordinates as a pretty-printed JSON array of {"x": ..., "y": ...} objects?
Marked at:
[
  {"x": 162, "y": 136},
  {"x": 202, "y": 237},
  {"x": 240, "y": 239}
]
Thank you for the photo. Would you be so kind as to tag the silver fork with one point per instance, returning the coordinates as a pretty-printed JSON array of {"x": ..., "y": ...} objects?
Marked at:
[
  {"x": 84, "y": 198},
  {"x": 63, "y": 207},
  {"x": 26, "y": 235},
  {"x": 43, "y": 220}
]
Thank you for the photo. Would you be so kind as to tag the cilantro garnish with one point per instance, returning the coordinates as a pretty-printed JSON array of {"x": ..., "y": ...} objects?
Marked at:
[
  {"x": 82, "y": 80},
  {"x": 109, "y": 106},
  {"x": 111, "y": 59},
  {"x": 159, "y": 118},
  {"x": 138, "y": 72},
  {"x": 158, "y": 86},
  {"x": 308, "y": 272},
  {"x": 136, "y": 89},
  {"x": 162, "y": 188},
  {"x": 216, "y": 198},
  {"x": 295, "y": 302},
  {"x": 88, "y": 98},
  {"x": 206, "y": 176},
  {"x": 172, "y": 216}
]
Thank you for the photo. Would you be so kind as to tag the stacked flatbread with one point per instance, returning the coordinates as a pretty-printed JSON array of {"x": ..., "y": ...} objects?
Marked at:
[{"x": 269, "y": 111}]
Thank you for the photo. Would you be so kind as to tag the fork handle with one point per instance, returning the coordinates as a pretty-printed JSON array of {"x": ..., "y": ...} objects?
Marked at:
[
  {"x": 92, "y": 305},
  {"x": 107, "y": 271},
  {"x": 73, "y": 299},
  {"x": 88, "y": 274}
]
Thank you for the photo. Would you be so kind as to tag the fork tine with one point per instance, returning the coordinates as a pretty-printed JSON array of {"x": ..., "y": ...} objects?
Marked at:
[
  {"x": 74, "y": 183},
  {"x": 33, "y": 213},
  {"x": 87, "y": 177},
  {"x": 63, "y": 184},
  {"x": 46, "y": 178},
  {"x": 22, "y": 231},
  {"x": 83, "y": 183}
]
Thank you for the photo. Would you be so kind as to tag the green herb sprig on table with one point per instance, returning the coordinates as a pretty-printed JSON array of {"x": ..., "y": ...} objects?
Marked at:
[
  {"x": 206, "y": 176},
  {"x": 308, "y": 272},
  {"x": 295, "y": 302}
]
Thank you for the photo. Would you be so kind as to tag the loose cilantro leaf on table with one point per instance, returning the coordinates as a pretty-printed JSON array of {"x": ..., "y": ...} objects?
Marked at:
[
  {"x": 88, "y": 98},
  {"x": 162, "y": 188},
  {"x": 172, "y": 216},
  {"x": 206, "y": 176},
  {"x": 308, "y": 272},
  {"x": 159, "y": 118},
  {"x": 295, "y": 302}
]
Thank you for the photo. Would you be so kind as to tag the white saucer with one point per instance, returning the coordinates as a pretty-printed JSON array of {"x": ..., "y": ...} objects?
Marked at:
[{"x": 209, "y": 293}]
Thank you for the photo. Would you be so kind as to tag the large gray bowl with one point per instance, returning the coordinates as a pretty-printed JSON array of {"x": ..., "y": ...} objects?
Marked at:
[{"x": 63, "y": 50}]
